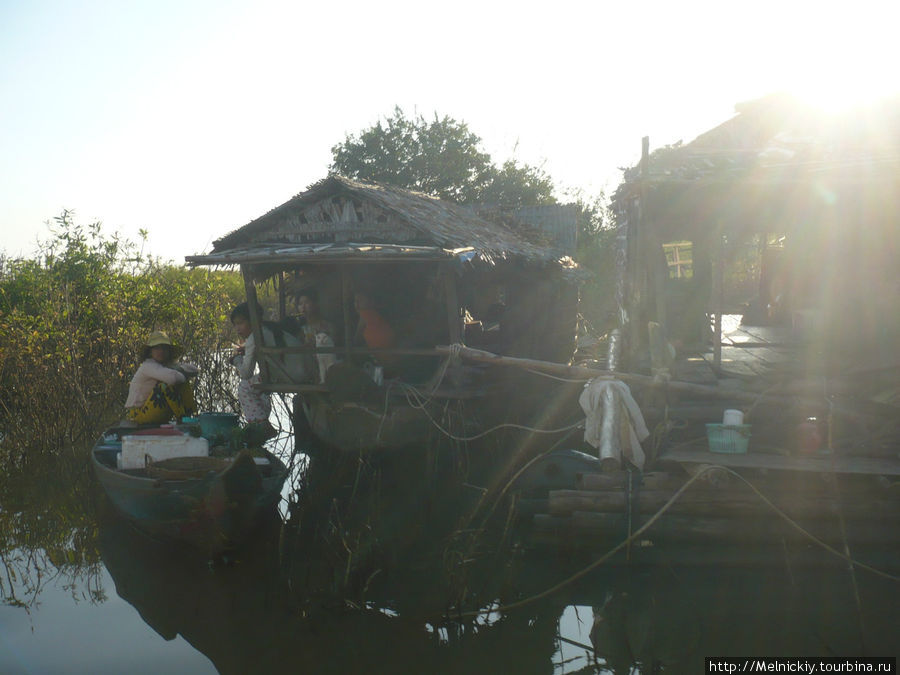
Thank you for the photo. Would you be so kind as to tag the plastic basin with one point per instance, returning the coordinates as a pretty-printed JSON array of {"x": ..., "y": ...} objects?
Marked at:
[{"x": 217, "y": 423}]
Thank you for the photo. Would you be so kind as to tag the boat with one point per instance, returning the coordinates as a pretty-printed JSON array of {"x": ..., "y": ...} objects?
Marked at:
[{"x": 208, "y": 502}]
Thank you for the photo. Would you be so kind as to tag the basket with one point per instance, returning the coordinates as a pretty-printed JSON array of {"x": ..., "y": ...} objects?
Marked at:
[{"x": 728, "y": 439}]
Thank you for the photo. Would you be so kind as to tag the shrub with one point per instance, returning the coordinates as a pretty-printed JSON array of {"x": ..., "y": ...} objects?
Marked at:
[{"x": 72, "y": 321}]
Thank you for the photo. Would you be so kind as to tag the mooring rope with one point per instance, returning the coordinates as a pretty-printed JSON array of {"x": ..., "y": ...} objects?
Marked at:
[
  {"x": 505, "y": 425},
  {"x": 656, "y": 516},
  {"x": 419, "y": 400}
]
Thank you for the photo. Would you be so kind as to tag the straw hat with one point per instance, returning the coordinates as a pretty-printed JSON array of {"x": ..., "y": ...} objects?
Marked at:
[{"x": 157, "y": 338}]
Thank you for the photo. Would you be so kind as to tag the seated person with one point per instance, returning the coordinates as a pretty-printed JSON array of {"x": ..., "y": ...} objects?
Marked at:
[
  {"x": 375, "y": 331},
  {"x": 424, "y": 326},
  {"x": 160, "y": 389},
  {"x": 316, "y": 330},
  {"x": 373, "y": 328}
]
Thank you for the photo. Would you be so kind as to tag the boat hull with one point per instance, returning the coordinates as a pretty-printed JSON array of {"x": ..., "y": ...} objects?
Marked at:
[{"x": 213, "y": 513}]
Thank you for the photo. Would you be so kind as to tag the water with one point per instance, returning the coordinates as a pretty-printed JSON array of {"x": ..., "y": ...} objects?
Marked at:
[{"x": 84, "y": 592}]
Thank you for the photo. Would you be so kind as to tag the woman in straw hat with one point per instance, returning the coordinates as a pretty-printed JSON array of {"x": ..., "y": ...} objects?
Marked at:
[{"x": 160, "y": 389}]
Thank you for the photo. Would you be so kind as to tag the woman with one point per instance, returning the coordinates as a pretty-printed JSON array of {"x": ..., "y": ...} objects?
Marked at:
[
  {"x": 160, "y": 389},
  {"x": 314, "y": 322},
  {"x": 372, "y": 328},
  {"x": 316, "y": 330}
]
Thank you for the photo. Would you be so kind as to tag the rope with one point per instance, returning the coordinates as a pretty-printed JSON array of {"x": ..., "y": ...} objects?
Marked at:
[
  {"x": 453, "y": 355},
  {"x": 512, "y": 482},
  {"x": 417, "y": 399},
  {"x": 560, "y": 379},
  {"x": 505, "y": 425},
  {"x": 656, "y": 516}
]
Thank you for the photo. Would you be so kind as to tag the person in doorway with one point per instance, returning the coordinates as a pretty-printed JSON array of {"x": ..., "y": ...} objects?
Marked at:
[
  {"x": 375, "y": 331},
  {"x": 160, "y": 389},
  {"x": 255, "y": 404},
  {"x": 316, "y": 330},
  {"x": 373, "y": 328}
]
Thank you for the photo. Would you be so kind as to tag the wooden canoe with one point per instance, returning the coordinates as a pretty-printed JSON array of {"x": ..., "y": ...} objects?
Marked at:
[{"x": 210, "y": 503}]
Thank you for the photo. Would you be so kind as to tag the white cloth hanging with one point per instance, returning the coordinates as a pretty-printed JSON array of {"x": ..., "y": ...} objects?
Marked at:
[{"x": 600, "y": 400}]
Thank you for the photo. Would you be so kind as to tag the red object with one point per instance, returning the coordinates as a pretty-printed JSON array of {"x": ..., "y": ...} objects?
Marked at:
[{"x": 377, "y": 332}]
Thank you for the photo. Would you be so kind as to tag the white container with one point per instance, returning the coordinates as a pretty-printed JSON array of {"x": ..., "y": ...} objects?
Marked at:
[
  {"x": 733, "y": 418},
  {"x": 136, "y": 449}
]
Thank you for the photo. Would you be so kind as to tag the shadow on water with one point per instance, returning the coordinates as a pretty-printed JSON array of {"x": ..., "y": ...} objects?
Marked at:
[{"x": 352, "y": 574}]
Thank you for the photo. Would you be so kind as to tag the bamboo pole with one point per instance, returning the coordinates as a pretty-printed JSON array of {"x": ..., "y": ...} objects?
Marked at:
[
  {"x": 582, "y": 372},
  {"x": 701, "y": 390},
  {"x": 718, "y": 297}
]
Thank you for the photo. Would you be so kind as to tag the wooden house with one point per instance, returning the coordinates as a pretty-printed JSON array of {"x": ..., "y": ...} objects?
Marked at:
[
  {"x": 790, "y": 219},
  {"x": 758, "y": 269},
  {"x": 439, "y": 274}
]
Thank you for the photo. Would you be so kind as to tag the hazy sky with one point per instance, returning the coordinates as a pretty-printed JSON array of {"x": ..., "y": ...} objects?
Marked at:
[{"x": 191, "y": 118}]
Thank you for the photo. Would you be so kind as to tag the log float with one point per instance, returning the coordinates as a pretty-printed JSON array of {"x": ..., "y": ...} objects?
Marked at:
[
  {"x": 715, "y": 503},
  {"x": 603, "y": 530}
]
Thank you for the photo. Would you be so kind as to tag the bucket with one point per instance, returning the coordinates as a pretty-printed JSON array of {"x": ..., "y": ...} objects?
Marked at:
[
  {"x": 215, "y": 424},
  {"x": 728, "y": 439},
  {"x": 732, "y": 418}
]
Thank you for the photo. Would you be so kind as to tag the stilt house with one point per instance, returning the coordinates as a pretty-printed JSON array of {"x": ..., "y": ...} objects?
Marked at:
[{"x": 437, "y": 273}]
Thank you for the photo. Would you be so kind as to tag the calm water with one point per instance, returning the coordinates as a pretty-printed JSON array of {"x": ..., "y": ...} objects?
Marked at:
[{"x": 84, "y": 592}]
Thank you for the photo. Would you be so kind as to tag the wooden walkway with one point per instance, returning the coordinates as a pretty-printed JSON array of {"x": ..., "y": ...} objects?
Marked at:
[
  {"x": 753, "y": 358},
  {"x": 758, "y": 350},
  {"x": 747, "y": 352}
]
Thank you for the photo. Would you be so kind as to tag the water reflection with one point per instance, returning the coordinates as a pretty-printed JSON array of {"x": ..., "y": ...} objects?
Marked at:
[
  {"x": 48, "y": 531},
  {"x": 672, "y": 621},
  {"x": 353, "y": 576},
  {"x": 250, "y": 617}
]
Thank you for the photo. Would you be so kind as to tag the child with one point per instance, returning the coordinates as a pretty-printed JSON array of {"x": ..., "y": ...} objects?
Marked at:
[{"x": 255, "y": 404}]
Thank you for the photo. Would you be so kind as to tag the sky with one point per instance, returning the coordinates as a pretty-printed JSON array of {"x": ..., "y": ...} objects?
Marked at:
[{"x": 190, "y": 118}]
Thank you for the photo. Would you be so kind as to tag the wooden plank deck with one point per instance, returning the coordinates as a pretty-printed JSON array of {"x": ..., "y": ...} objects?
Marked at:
[
  {"x": 748, "y": 352},
  {"x": 876, "y": 466}
]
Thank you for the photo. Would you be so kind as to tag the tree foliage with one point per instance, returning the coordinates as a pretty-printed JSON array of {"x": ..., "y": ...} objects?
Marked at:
[
  {"x": 596, "y": 253},
  {"x": 72, "y": 321},
  {"x": 440, "y": 157},
  {"x": 444, "y": 158}
]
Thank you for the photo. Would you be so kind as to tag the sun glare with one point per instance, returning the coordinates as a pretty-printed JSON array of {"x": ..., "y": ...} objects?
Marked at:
[{"x": 839, "y": 88}]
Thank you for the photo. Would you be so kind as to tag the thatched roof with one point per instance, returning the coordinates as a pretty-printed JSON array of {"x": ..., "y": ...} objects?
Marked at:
[
  {"x": 778, "y": 135},
  {"x": 777, "y": 161},
  {"x": 339, "y": 216}
]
